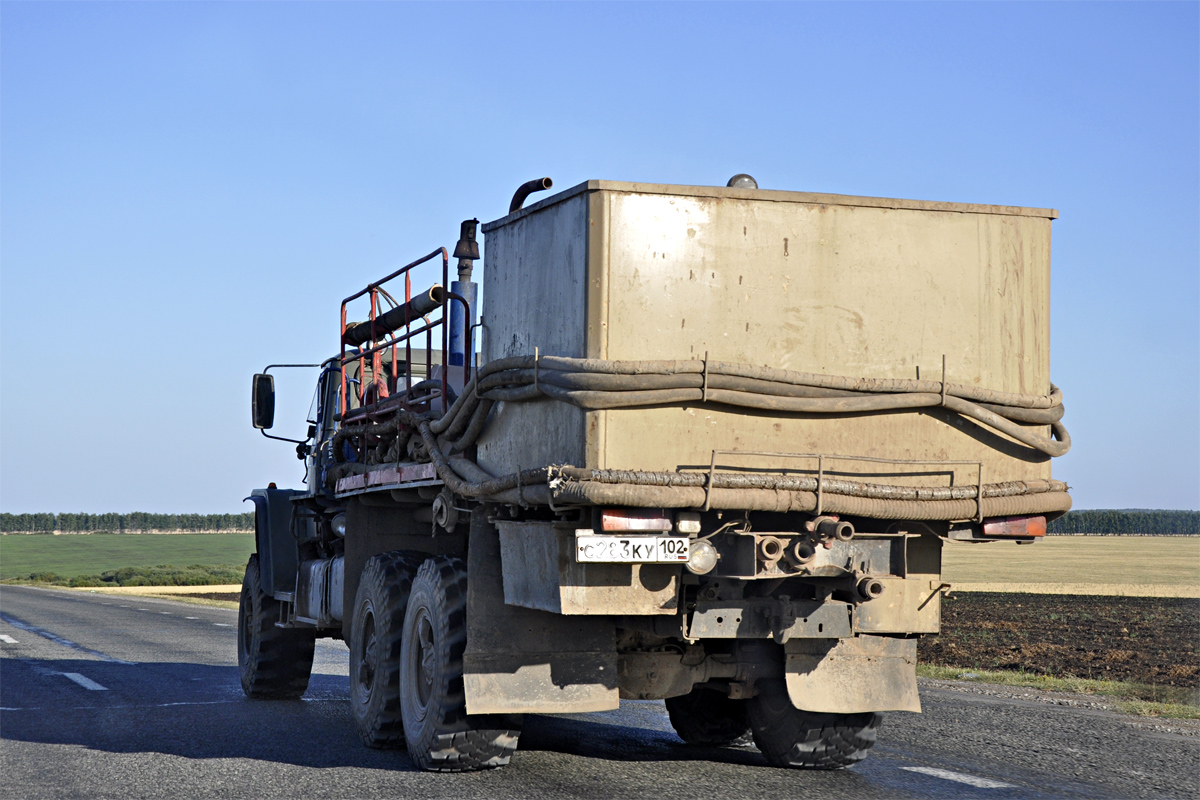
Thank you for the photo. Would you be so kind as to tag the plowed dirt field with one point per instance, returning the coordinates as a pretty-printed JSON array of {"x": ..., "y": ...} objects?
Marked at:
[{"x": 1150, "y": 640}]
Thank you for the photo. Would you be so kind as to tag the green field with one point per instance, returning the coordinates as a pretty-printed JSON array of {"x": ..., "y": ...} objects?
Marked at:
[{"x": 93, "y": 553}]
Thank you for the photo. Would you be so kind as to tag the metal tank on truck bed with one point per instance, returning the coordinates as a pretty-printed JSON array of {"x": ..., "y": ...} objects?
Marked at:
[{"x": 710, "y": 453}]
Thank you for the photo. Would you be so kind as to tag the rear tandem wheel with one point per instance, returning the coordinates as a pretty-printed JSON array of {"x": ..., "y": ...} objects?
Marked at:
[
  {"x": 374, "y": 643},
  {"x": 441, "y": 736},
  {"x": 709, "y": 718},
  {"x": 790, "y": 737}
]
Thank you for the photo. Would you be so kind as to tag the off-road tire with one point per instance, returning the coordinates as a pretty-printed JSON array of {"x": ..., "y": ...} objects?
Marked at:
[
  {"x": 441, "y": 736},
  {"x": 375, "y": 632},
  {"x": 274, "y": 662},
  {"x": 708, "y": 718},
  {"x": 789, "y": 737}
]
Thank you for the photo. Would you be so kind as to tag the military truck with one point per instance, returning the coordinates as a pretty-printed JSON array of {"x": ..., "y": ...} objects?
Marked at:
[{"x": 703, "y": 445}]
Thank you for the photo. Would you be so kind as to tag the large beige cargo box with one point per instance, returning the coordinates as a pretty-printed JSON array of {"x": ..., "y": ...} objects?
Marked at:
[{"x": 853, "y": 286}]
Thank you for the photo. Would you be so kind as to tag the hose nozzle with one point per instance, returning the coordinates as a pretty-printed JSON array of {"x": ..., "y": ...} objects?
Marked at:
[
  {"x": 800, "y": 552},
  {"x": 770, "y": 549},
  {"x": 833, "y": 528},
  {"x": 869, "y": 588}
]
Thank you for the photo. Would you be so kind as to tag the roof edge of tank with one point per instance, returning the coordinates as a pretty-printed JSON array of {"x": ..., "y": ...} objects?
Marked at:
[{"x": 768, "y": 195}]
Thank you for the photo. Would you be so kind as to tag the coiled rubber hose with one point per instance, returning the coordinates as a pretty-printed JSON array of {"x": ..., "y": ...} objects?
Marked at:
[
  {"x": 565, "y": 485},
  {"x": 594, "y": 384}
]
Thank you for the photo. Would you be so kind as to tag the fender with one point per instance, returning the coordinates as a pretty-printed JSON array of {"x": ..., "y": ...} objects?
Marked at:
[{"x": 278, "y": 553}]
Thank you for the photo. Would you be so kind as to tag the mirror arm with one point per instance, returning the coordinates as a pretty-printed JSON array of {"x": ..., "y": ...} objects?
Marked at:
[
  {"x": 267, "y": 370},
  {"x": 281, "y": 438}
]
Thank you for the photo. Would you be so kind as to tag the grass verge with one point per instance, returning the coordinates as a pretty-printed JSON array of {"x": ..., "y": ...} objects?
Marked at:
[
  {"x": 156, "y": 593},
  {"x": 1140, "y": 699},
  {"x": 161, "y": 575},
  {"x": 1084, "y": 589},
  {"x": 194, "y": 601}
]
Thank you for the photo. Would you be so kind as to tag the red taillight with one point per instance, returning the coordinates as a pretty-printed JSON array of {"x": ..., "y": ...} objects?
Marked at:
[
  {"x": 643, "y": 521},
  {"x": 1015, "y": 527}
]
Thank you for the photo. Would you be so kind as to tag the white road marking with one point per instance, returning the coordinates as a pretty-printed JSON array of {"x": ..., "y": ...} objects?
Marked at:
[
  {"x": 4, "y": 637},
  {"x": 164, "y": 612},
  {"x": 54, "y": 637},
  {"x": 85, "y": 682},
  {"x": 961, "y": 777},
  {"x": 143, "y": 609},
  {"x": 123, "y": 606},
  {"x": 168, "y": 705},
  {"x": 191, "y": 618},
  {"x": 222, "y": 624}
]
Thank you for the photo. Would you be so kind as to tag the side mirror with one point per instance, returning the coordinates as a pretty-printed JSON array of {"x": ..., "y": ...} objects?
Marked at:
[{"x": 262, "y": 401}]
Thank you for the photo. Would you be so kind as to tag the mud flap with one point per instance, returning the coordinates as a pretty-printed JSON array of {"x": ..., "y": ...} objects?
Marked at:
[
  {"x": 519, "y": 660},
  {"x": 851, "y": 676}
]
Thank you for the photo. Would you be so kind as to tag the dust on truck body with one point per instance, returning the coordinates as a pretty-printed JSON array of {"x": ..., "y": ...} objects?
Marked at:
[{"x": 710, "y": 453}]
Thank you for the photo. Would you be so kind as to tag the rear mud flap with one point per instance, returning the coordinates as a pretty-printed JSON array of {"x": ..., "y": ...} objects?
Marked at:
[
  {"x": 520, "y": 660},
  {"x": 851, "y": 676}
]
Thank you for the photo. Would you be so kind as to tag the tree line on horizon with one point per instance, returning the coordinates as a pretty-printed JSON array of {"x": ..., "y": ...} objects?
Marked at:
[
  {"x": 1094, "y": 521},
  {"x": 1161, "y": 523},
  {"x": 119, "y": 523}
]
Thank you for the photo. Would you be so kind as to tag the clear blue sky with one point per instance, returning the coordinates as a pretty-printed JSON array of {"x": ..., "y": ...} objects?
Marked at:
[{"x": 186, "y": 189}]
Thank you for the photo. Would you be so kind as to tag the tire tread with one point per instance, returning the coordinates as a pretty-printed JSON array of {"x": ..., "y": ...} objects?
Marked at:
[
  {"x": 454, "y": 741},
  {"x": 390, "y": 576},
  {"x": 790, "y": 737},
  {"x": 281, "y": 664},
  {"x": 707, "y": 718}
]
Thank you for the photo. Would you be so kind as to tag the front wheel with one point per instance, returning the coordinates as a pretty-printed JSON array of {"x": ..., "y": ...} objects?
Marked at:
[
  {"x": 274, "y": 662},
  {"x": 789, "y": 737},
  {"x": 441, "y": 736}
]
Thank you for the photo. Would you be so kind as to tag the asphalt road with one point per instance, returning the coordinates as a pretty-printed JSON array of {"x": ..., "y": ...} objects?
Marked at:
[{"x": 109, "y": 696}]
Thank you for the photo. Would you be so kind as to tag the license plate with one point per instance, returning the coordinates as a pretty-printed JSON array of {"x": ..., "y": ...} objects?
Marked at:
[{"x": 631, "y": 549}]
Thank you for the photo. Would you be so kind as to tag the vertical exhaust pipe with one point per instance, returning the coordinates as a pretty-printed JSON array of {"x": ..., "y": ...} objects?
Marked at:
[{"x": 467, "y": 252}]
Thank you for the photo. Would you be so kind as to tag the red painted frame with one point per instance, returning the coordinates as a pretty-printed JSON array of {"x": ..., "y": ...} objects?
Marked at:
[{"x": 379, "y": 344}]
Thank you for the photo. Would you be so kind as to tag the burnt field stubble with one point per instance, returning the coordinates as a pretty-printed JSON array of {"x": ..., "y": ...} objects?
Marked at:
[{"x": 1149, "y": 640}]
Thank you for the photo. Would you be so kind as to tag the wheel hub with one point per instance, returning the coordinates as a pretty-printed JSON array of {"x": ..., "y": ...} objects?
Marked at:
[
  {"x": 426, "y": 659},
  {"x": 247, "y": 615},
  {"x": 368, "y": 657}
]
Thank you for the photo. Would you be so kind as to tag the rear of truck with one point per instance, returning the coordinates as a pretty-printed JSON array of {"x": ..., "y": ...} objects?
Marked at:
[{"x": 711, "y": 453}]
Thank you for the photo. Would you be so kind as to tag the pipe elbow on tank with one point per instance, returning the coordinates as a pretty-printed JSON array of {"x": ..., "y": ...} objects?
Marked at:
[{"x": 526, "y": 189}]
